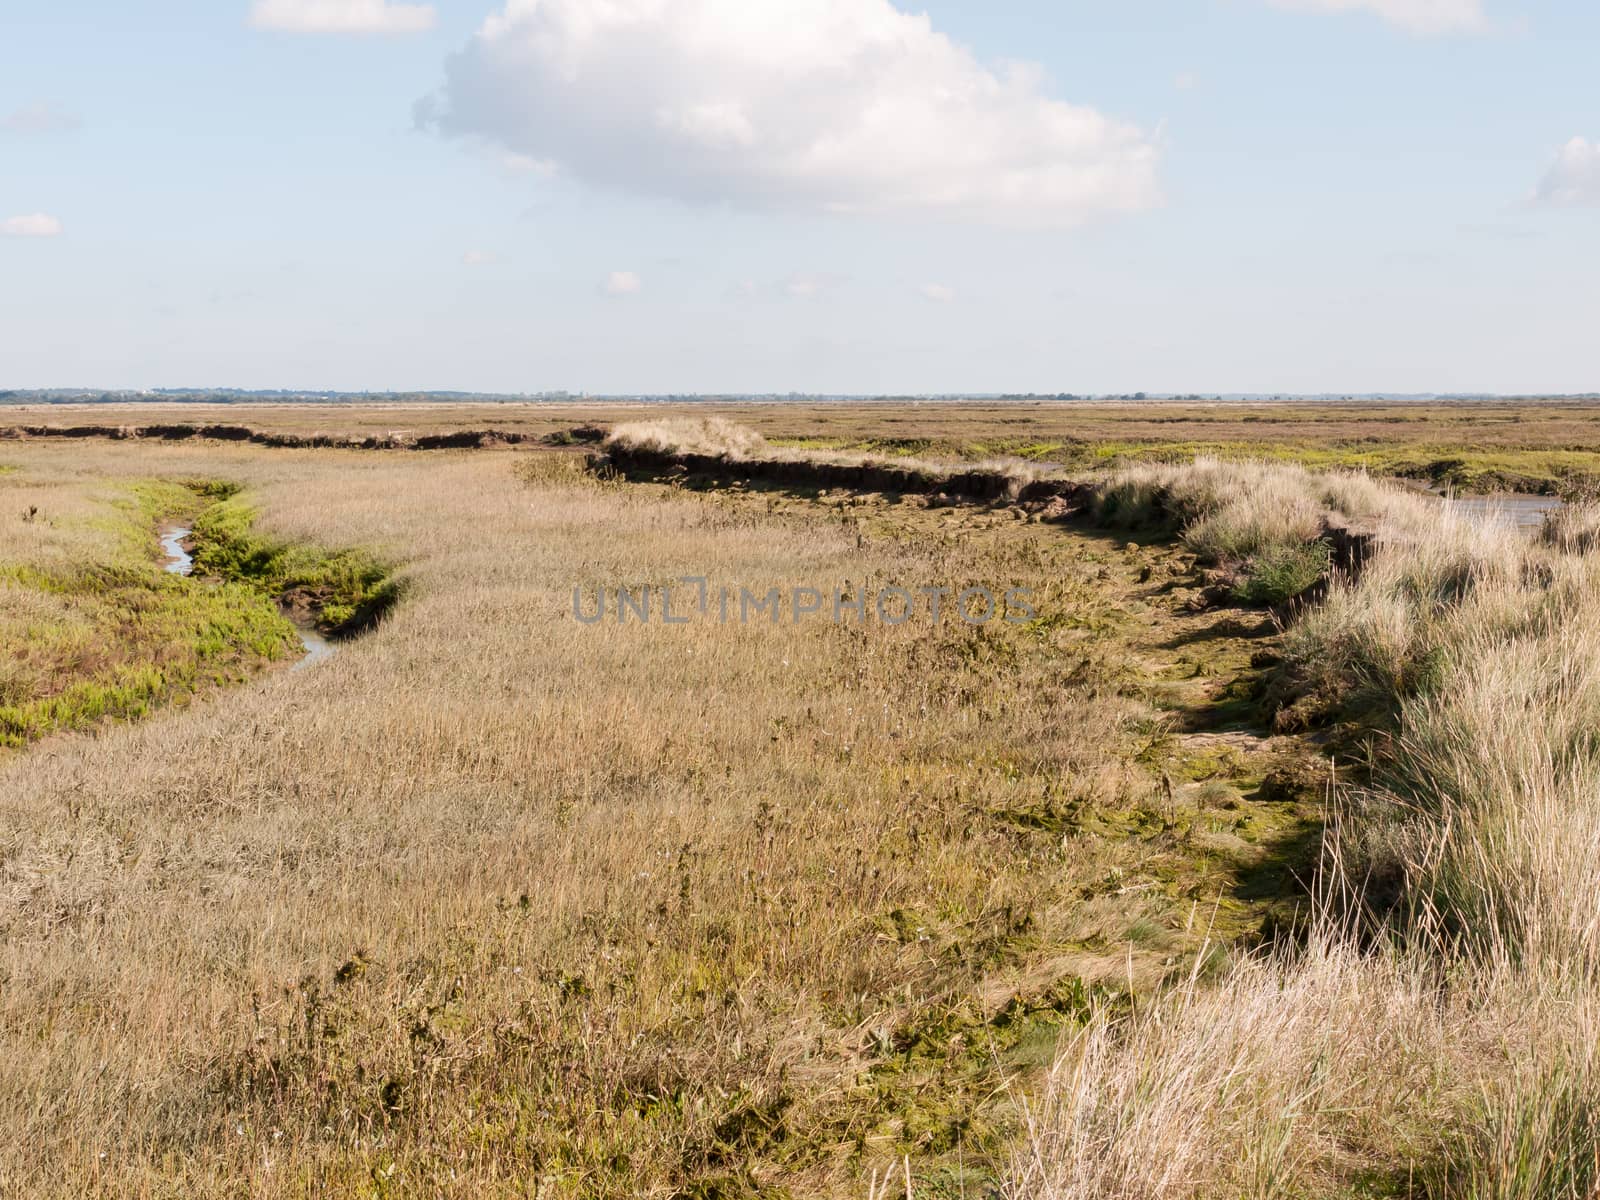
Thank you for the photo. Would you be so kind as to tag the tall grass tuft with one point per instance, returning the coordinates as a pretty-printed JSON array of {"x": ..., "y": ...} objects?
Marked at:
[
  {"x": 1269, "y": 523},
  {"x": 1274, "y": 1082},
  {"x": 1470, "y": 658},
  {"x": 689, "y": 435}
]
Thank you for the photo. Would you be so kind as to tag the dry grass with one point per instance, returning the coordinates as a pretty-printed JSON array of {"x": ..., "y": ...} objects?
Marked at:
[
  {"x": 624, "y": 909},
  {"x": 689, "y": 435},
  {"x": 1574, "y": 528},
  {"x": 493, "y": 897},
  {"x": 1482, "y": 646},
  {"x": 1452, "y": 1053},
  {"x": 1328, "y": 1072},
  {"x": 1273, "y": 1083}
]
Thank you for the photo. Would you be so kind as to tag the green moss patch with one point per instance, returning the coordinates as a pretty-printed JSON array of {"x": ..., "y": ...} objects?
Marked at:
[
  {"x": 114, "y": 637},
  {"x": 342, "y": 590}
]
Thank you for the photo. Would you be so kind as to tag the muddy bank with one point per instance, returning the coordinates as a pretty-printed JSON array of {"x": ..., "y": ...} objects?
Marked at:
[
  {"x": 465, "y": 439},
  {"x": 1059, "y": 497},
  {"x": 1055, "y": 499},
  {"x": 974, "y": 486}
]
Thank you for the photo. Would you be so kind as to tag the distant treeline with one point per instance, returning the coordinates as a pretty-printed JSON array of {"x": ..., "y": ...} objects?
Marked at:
[{"x": 67, "y": 396}]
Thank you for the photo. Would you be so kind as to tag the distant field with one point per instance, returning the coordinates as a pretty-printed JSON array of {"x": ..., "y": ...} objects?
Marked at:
[{"x": 1532, "y": 446}]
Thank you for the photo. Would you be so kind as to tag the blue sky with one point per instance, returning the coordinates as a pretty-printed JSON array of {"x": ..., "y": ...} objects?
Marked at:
[{"x": 814, "y": 195}]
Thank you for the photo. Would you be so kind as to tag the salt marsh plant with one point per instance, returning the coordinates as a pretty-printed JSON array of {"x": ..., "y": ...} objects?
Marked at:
[{"x": 1453, "y": 965}]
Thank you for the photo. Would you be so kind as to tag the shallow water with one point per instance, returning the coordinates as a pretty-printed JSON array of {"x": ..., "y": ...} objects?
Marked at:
[
  {"x": 180, "y": 562},
  {"x": 317, "y": 647},
  {"x": 1522, "y": 513}
]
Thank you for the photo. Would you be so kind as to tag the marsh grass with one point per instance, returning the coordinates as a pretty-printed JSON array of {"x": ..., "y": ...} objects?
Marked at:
[
  {"x": 493, "y": 898},
  {"x": 1474, "y": 446},
  {"x": 1453, "y": 963}
]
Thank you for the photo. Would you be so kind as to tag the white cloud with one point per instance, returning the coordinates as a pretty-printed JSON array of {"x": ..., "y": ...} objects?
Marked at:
[
  {"x": 31, "y": 225},
  {"x": 1415, "y": 16},
  {"x": 622, "y": 283},
  {"x": 809, "y": 286},
  {"x": 837, "y": 105},
  {"x": 477, "y": 258},
  {"x": 1574, "y": 178},
  {"x": 40, "y": 118},
  {"x": 341, "y": 16},
  {"x": 938, "y": 293},
  {"x": 1186, "y": 81}
]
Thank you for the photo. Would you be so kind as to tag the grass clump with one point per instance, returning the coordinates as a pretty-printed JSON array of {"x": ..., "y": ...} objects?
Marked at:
[
  {"x": 689, "y": 435},
  {"x": 1574, "y": 528},
  {"x": 1474, "y": 652},
  {"x": 1535, "y": 1135},
  {"x": 1273, "y": 1082},
  {"x": 1280, "y": 573},
  {"x": 1266, "y": 524}
]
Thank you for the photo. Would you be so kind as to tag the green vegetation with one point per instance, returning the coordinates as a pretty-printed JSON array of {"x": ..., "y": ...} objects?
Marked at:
[
  {"x": 110, "y": 634},
  {"x": 344, "y": 590},
  {"x": 1454, "y": 467},
  {"x": 93, "y": 627},
  {"x": 1278, "y": 574}
]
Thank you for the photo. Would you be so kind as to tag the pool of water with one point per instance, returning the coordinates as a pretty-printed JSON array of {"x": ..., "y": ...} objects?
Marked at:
[{"x": 1524, "y": 513}]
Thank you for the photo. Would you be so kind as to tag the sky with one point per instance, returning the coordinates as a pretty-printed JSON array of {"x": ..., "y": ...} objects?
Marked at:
[{"x": 842, "y": 196}]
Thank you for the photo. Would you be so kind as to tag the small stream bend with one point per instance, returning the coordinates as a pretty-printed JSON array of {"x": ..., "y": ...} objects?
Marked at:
[{"x": 178, "y": 561}]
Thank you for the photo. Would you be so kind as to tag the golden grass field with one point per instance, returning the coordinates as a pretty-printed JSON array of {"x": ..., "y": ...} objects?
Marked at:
[
  {"x": 1468, "y": 446},
  {"x": 498, "y": 903}
]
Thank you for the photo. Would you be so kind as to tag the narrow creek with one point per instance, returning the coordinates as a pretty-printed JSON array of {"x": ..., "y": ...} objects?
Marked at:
[{"x": 180, "y": 562}]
